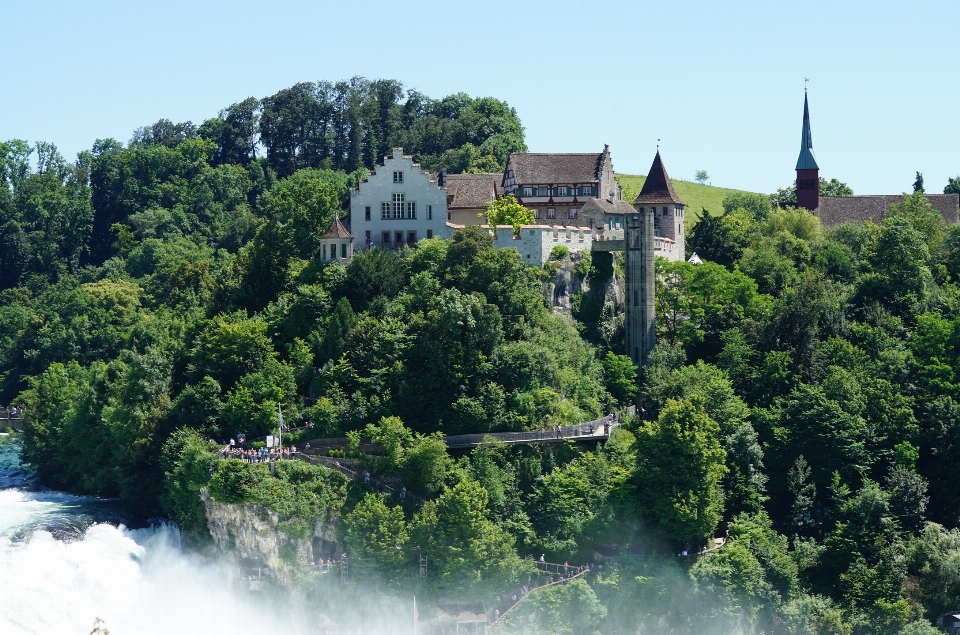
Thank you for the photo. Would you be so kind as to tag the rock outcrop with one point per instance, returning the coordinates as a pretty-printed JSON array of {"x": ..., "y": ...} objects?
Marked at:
[{"x": 250, "y": 532}]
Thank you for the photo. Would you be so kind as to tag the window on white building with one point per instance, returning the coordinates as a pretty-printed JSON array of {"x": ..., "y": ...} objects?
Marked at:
[
  {"x": 411, "y": 238},
  {"x": 385, "y": 240},
  {"x": 366, "y": 213},
  {"x": 528, "y": 191},
  {"x": 562, "y": 191},
  {"x": 384, "y": 211},
  {"x": 411, "y": 209},
  {"x": 429, "y": 233},
  {"x": 551, "y": 213},
  {"x": 343, "y": 250},
  {"x": 544, "y": 191},
  {"x": 367, "y": 240},
  {"x": 573, "y": 212},
  {"x": 536, "y": 214},
  {"x": 398, "y": 177},
  {"x": 430, "y": 212},
  {"x": 324, "y": 257},
  {"x": 397, "y": 205}
]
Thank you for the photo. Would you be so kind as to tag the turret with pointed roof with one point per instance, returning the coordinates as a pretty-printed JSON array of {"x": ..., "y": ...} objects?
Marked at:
[
  {"x": 336, "y": 244},
  {"x": 658, "y": 196},
  {"x": 808, "y": 172},
  {"x": 658, "y": 188}
]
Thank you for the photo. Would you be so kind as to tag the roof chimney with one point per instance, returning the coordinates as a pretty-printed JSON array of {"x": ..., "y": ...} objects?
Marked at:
[{"x": 442, "y": 177}]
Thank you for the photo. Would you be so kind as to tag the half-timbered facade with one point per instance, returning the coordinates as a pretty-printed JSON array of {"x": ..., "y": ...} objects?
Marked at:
[{"x": 557, "y": 185}]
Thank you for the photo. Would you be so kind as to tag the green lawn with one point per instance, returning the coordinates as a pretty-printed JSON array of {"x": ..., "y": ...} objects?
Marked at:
[{"x": 696, "y": 196}]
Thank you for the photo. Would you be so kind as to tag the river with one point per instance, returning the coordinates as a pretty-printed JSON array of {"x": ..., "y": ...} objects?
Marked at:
[{"x": 67, "y": 560}]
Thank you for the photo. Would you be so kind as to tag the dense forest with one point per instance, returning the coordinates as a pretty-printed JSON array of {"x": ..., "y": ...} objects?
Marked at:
[{"x": 803, "y": 402}]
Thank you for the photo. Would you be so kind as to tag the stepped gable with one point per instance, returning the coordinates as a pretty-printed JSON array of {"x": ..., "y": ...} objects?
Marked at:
[
  {"x": 472, "y": 190},
  {"x": 337, "y": 230},
  {"x": 658, "y": 189},
  {"x": 835, "y": 210},
  {"x": 550, "y": 168}
]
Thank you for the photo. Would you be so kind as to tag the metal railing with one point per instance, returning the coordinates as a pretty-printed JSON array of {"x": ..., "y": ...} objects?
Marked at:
[{"x": 557, "y": 576}]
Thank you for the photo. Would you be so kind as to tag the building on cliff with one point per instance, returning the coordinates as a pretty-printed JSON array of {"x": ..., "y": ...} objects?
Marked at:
[
  {"x": 556, "y": 185},
  {"x": 835, "y": 210}
]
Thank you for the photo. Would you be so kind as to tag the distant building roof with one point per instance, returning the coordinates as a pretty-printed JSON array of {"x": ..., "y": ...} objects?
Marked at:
[
  {"x": 657, "y": 189},
  {"x": 337, "y": 230},
  {"x": 806, "y": 160},
  {"x": 604, "y": 206},
  {"x": 835, "y": 210},
  {"x": 547, "y": 169},
  {"x": 472, "y": 191}
]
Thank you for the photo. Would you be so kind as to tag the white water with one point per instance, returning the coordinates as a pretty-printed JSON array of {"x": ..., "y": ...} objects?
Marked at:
[{"x": 58, "y": 573}]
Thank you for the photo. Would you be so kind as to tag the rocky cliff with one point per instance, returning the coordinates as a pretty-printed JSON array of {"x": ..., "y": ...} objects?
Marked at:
[
  {"x": 564, "y": 284},
  {"x": 251, "y": 533}
]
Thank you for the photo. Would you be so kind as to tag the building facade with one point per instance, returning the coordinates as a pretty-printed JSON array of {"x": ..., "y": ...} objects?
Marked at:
[
  {"x": 556, "y": 186},
  {"x": 397, "y": 205},
  {"x": 468, "y": 195}
]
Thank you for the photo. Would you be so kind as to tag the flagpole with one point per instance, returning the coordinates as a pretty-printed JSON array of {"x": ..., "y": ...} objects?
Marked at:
[{"x": 280, "y": 440}]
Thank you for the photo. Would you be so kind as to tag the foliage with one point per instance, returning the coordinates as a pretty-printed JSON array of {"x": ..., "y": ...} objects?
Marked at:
[
  {"x": 680, "y": 466},
  {"x": 505, "y": 210}
]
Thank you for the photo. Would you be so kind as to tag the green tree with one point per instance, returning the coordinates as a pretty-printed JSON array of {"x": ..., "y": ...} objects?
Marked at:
[
  {"x": 701, "y": 177},
  {"x": 680, "y": 466},
  {"x": 619, "y": 377},
  {"x": 953, "y": 186},
  {"x": 377, "y": 538},
  {"x": 467, "y": 552},
  {"x": 505, "y": 210},
  {"x": 305, "y": 203}
]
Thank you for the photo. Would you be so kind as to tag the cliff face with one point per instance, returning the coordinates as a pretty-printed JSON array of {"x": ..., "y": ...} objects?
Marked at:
[
  {"x": 564, "y": 284},
  {"x": 251, "y": 532}
]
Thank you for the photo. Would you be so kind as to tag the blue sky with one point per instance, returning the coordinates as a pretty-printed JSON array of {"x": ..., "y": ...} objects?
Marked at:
[{"x": 720, "y": 83}]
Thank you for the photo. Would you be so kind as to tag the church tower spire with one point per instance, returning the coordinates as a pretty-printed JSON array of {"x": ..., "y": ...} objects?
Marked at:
[{"x": 808, "y": 172}]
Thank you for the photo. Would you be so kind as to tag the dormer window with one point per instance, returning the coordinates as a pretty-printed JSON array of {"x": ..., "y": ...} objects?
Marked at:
[
  {"x": 527, "y": 191},
  {"x": 562, "y": 190},
  {"x": 398, "y": 177}
]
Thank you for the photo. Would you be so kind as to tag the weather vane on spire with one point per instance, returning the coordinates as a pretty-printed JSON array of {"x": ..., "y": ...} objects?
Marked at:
[
  {"x": 806, "y": 81},
  {"x": 658, "y": 145}
]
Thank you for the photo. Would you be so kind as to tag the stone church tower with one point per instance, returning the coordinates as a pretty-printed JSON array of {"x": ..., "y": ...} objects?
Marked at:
[{"x": 808, "y": 172}]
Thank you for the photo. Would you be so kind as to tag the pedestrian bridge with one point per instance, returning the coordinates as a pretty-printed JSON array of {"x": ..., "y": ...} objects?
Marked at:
[{"x": 596, "y": 430}]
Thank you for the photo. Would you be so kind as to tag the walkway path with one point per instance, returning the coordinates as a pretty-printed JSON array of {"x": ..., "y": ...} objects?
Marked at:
[
  {"x": 563, "y": 572},
  {"x": 595, "y": 430}
]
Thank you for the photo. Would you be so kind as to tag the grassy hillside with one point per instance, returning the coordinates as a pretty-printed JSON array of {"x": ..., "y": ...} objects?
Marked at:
[{"x": 696, "y": 196}]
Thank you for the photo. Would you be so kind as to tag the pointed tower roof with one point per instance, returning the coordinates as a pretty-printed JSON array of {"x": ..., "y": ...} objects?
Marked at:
[
  {"x": 657, "y": 189},
  {"x": 806, "y": 160},
  {"x": 337, "y": 230}
]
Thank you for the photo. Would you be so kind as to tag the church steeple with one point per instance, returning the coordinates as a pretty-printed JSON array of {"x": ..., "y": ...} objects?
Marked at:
[
  {"x": 806, "y": 160},
  {"x": 808, "y": 172}
]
